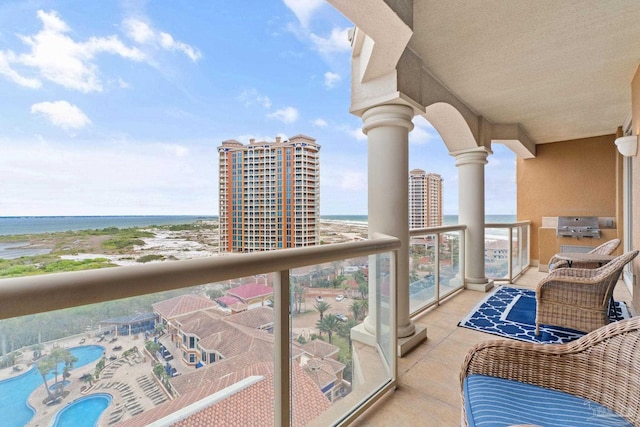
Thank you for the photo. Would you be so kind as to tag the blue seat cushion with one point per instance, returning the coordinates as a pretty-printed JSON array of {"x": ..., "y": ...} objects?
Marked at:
[{"x": 497, "y": 402}]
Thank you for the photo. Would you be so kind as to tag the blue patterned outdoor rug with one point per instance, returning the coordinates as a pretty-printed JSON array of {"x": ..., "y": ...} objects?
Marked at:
[{"x": 511, "y": 313}]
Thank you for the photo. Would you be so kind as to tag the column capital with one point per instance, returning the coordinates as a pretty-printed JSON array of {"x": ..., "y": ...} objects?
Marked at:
[
  {"x": 387, "y": 115},
  {"x": 476, "y": 155}
]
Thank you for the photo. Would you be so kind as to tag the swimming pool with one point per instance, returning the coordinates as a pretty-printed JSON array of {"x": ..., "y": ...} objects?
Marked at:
[
  {"x": 15, "y": 392},
  {"x": 82, "y": 412}
]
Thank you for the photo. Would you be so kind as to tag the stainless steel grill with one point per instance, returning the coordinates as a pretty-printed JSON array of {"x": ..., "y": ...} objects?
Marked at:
[{"x": 578, "y": 226}]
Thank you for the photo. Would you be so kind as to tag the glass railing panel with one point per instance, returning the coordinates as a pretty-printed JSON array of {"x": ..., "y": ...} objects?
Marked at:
[
  {"x": 516, "y": 253},
  {"x": 133, "y": 358},
  {"x": 422, "y": 271},
  {"x": 496, "y": 252},
  {"x": 450, "y": 268},
  {"x": 525, "y": 245},
  {"x": 436, "y": 264},
  {"x": 333, "y": 369}
]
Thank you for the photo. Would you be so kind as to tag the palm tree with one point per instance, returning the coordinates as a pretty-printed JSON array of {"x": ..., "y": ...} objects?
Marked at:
[
  {"x": 298, "y": 292},
  {"x": 359, "y": 308},
  {"x": 344, "y": 330},
  {"x": 87, "y": 378},
  {"x": 160, "y": 328},
  {"x": 46, "y": 365},
  {"x": 329, "y": 324},
  {"x": 152, "y": 347},
  {"x": 59, "y": 355},
  {"x": 322, "y": 306}
]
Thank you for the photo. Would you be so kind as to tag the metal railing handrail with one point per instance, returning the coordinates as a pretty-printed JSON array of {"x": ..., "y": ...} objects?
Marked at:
[
  {"x": 35, "y": 294},
  {"x": 436, "y": 230},
  {"x": 506, "y": 224}
]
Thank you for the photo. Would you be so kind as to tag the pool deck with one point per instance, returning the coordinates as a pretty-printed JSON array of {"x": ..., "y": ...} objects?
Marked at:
[{"x": 129, "y": 381}]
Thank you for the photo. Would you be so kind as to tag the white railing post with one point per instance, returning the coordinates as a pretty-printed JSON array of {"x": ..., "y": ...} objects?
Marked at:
[
  {"x": 510, "y": 255},
  {"x": 282, "y": 368},
  {"x": 436, "y": 269}
]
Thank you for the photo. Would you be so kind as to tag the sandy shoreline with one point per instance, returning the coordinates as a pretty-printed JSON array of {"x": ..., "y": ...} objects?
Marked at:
[{"x": 172, "y": 245}]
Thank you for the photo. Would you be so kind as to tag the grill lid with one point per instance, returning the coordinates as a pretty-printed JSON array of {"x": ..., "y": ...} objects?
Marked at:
[{"x": 578, "y": 226}]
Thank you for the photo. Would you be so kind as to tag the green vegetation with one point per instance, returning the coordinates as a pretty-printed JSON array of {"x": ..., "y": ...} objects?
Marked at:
[
  {"x": 120, "y": 243},
  {"x": 51, "y": 363},
  {"x": 66, "y": 243},
  {"x": 328, "y": 324},
  {"x": 152, "y": 347},
  {"x": 149, "y": 258},
  {"x": 30, "y": 266},
  {"x": 322, "y": 306}
]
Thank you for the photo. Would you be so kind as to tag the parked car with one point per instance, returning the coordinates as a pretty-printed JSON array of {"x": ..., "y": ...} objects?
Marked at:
[
  {"x": 319, "y": 298},
  {"x": 341, "y": 317},
  {"x": 340, "y": 297}
]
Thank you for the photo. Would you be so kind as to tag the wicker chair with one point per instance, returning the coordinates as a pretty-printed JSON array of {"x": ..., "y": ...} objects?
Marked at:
[
  {"x": 578, "y": 298},
  {"x": 606, "y": 248},
  {"x": 603, "y": 366}
]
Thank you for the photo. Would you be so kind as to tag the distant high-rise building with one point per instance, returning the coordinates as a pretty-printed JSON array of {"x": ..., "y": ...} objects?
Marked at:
[
  {"x": 269, "y": 194},
  {"x": 425, "y": 199}
]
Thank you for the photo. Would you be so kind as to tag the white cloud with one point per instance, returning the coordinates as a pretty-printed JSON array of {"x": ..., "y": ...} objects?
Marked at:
[
  {"x": 6, "y": 70},
  {"x": 265, "y": 101},
  {"x": 62, "y": 114},
  {"x": 303, "y": 9},
  {"x": 139, "y": 31},
  {"x": 143, "y": 33},
  {"x": 321, "y": 123},
  {"x": 58, "y": 58},
  {"x": 423, "y": 132},
  {"x": 107, "y": 178},
  {"x": 251, "y": 96},
  {"x": 354, "y": 132},
  {"x": 331, "y": 79},
  {"x": 285, "y": 115},
  {"x": 338, "y": 41}
]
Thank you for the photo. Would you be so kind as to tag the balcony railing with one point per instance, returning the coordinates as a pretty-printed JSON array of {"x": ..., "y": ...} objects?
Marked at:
[
  {"x": 436, "y": 267},
  {"x": 437, "y": 259},
  {"x": 507, "y": 253},
  {"x": 374, "y": 372}
]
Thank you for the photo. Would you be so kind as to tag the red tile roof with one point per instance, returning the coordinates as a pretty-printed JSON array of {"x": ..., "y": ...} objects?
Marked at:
[
  {"x": 250, "y": 291},
  {"x": 320, "y": 349},
  {"x": 254, "y": 318},
  {"x": 228, "y": 300},
  {"x": 181, "y": 305},
  {"x": 251, "y": 406}
]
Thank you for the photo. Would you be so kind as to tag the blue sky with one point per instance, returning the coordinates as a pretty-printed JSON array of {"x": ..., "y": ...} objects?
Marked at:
[{"x": 116, "y": 108}]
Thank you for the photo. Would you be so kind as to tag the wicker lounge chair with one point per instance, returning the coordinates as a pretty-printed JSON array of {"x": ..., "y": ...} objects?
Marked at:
[
  {"x": 606, "y": 248},
  {"x": 602, "y": 367},
  {"x": 579, "y": 298}
]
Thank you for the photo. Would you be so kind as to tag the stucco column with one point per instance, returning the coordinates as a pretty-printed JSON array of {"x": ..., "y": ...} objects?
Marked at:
[
  {"x": 387, "y": 128},
  {"x": 470, "y": 165}
]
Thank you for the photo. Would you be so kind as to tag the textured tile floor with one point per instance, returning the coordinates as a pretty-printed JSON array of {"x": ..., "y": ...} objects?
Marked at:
[{"x": 429, "y": 386}]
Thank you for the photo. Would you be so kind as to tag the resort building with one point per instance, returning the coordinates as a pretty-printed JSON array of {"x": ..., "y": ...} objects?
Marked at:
[
  {"x": 269, "y": 194},
  {"x": 557, "y": 83},
  {"x": 425, "y": 199}
]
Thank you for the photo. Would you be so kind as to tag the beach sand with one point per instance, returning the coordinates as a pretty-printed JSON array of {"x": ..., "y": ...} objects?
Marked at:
[{"x": 176, "y": 245}]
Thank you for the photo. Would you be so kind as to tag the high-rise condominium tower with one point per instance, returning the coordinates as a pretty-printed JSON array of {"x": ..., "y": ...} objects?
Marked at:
[
  {"x": 269, "y": 194},
  {"x": 425, "y": 199}
]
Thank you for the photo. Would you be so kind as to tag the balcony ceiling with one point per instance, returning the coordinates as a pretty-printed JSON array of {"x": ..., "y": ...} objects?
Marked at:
[{"x": 562, "y": 69}]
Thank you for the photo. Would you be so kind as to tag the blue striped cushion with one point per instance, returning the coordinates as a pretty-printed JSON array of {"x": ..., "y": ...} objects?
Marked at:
[{"x": 496, "y": 402}]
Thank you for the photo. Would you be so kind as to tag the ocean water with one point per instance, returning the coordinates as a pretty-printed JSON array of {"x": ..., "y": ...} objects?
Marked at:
[{"x": 15, "y": 225}]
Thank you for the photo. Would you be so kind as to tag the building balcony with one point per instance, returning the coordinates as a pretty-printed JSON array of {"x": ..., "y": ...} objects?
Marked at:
[{"x": 342, "y": 395}]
